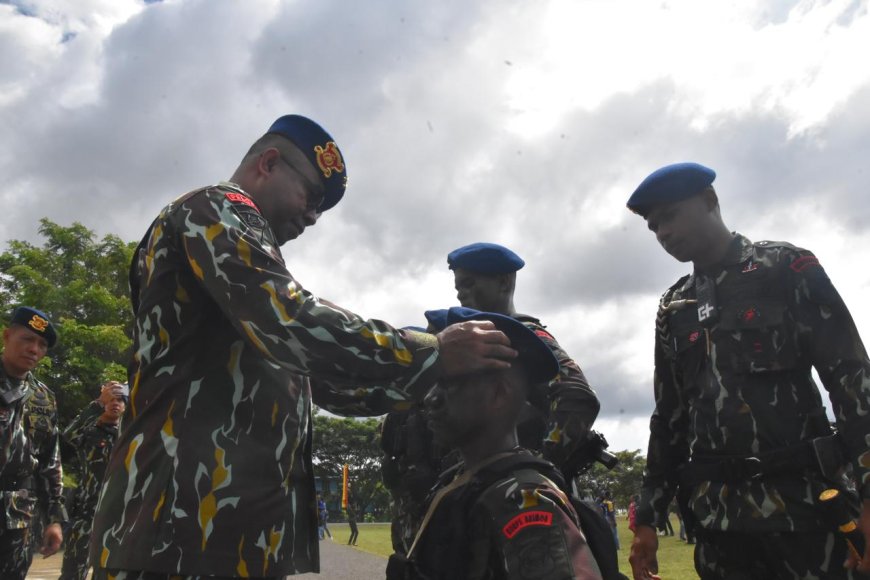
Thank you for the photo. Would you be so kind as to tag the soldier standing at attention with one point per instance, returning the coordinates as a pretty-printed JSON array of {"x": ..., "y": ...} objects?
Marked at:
[
  {"x": 485, "y": 277},
  {"x": 29, "y": 443},
  {"x": 500, "y": 513},
  {"x": 739, "y": 424},
  {"x": 211, "y": 474},
  {"x": 92, "y": 434}
]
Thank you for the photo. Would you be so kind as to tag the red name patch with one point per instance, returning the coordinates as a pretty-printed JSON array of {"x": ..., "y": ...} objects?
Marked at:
[
  {"x": 238, "y": 197},
  {"x": 544, "y": 334},
  {"x": 803, "y": 263},
  {"x": 524, "y": 520}
]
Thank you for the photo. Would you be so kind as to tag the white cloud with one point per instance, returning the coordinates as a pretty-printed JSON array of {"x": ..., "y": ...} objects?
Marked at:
[{"x": 527, "y": 124}]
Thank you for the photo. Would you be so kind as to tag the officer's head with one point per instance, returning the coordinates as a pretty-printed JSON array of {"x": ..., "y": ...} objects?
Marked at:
[
  {"x": 485, "y": 276},
  {"x": 681, "y": 208},
  {"x": 26, "y": 340},
  {"x": 294, "y": 173},
  {"x": 465, "y": 408}
]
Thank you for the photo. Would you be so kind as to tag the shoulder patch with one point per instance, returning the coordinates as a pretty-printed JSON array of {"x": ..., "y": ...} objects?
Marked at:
[
  {"x": 526, "y": 519},
  {"x": 239, "y": 198},
  {"x": 252, "y": 219},
  {"x": 804, "y": 262},
  {"x": 544, "y": 334}
]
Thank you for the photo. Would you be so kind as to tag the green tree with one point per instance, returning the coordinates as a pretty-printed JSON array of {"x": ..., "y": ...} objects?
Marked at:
[
  {"x": 353, "y": 442},
  {"x": 623, "y": 481},
  {"x": 81, "y": 283}
]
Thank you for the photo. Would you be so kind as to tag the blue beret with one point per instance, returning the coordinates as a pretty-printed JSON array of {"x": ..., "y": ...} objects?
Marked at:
[
  {"x": 670, "y": 184},
  {"x": 321, "y": 151},
  {"x": 35, "y": 321},
  {"x": 485, "y": 258},
  {"x": 414, "y": 328},
  {"x": 437, "y": 319},
  {"x": 534, "y": 354}
]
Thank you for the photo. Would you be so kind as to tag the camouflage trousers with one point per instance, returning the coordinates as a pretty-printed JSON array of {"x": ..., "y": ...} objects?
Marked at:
[
  {"x": 75, "y": 555},
  {"x": 104, "y": 574},
  {"x": 15, "y": 553},
  {"x": 771, "y": 556}
]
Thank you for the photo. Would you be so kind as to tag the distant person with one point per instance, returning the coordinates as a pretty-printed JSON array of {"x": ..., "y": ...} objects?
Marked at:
[
  {"x": 92, "y": 434},
  {"x": 739, "y": 424},
  {"x": 632, "y": 512},
  {"x": 29, "y": 444},
  {"x": 351, "y": 521},
  {"x": 324, "y": 518},
  {"x": 210, "y": 475}
]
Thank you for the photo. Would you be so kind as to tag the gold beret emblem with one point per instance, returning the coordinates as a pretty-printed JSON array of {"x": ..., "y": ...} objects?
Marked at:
[
  {"x": 329, "y": 159},
  {"x": 38, "y": 323}
]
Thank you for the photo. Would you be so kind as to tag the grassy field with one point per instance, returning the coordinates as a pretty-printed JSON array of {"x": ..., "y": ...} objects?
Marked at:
[{"x": 675, "y": 556}]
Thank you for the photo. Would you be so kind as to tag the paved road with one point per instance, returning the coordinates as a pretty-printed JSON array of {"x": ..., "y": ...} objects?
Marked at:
[{"x": 337, "y": 562}]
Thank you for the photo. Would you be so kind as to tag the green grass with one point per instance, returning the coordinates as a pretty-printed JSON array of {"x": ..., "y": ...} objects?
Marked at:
[{"x": 675, "y": 556}]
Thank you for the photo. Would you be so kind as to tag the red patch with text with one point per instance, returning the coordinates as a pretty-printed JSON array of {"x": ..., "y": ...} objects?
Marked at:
[
  {"x": 239, "y": 198},
  {"x": 803, "y": 263},
  {"x": 544, "y": 334},
  {"x": 524, "y": 520}
]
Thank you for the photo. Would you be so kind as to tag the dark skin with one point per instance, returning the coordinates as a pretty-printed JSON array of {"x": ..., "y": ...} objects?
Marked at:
[
  {"x": 692, "y": 230},
  {"x": 477, "y": 413},
  {"x": 485, "y": 292},
  {"x": 288, "y": 191}
]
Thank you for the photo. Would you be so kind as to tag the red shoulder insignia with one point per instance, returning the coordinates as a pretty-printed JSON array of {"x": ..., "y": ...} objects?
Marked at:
[
  {"x": 544, "y": 334},
  {"x": 803, "y": 263},
  {"x": 239, "y": 198},
  {"x": 526, "y": 519}
]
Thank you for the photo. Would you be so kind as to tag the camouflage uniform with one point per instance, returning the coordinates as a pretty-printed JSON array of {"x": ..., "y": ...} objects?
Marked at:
[
  {"x": 568, "y": 407},
  {"x": 508, "y": 521},
  {"x": 738, "y": 384},
  {"x": 93, "y": 443},
  {"x": 211, "y": 473},
  {"x": 29, "y": 465}
]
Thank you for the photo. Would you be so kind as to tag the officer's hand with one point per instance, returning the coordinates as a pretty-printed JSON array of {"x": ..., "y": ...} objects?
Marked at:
[
  {"x": 109, "y": 391},
  {"x": 473, "y": 346},
  {"x": 864, "y": 526},
  {"x": 644, "y": 564},
  {"x": 51, "y": 540}
]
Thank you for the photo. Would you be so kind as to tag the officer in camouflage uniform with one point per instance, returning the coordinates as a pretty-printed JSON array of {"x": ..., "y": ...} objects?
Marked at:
[
  {"x": 500, "y": 513},
  {"x": 485, "y": 279},
  {"x": 739, "y": 424},
  {"x": 29, "y": 445},
  {"x": 92, "y": 434},
  {"x": 211, "y": 473}
]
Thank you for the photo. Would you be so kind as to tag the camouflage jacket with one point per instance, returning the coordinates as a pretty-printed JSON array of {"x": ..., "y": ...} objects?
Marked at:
[
  {"x": 569, "y": 405},
  {"x": 505, "y": 523},
  {"x": 738, "y": 383},
  {"x": 29, "y": 449},
  {"x": 93, "y": 443},
  {"x": 211, "y": 473}
]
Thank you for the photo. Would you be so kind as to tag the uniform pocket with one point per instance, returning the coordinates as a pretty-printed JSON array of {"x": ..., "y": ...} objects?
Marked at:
[{"x": 759, "y": 337}]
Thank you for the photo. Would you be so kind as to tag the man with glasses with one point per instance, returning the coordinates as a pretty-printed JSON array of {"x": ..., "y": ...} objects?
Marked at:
[{"x": 211, "y": 474}]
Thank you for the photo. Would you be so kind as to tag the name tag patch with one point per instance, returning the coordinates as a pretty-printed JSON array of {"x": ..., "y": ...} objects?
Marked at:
[{"x": 526, "y": 519}]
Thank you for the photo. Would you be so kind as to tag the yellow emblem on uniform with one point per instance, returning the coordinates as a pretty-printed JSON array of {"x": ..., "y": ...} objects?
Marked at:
[
  {"x": 38, "y": 323},
  {"x": 329, "y": 159}
]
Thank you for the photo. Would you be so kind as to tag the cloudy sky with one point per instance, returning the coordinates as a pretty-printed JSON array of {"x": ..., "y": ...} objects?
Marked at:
[{"x": 523, "y": 123}]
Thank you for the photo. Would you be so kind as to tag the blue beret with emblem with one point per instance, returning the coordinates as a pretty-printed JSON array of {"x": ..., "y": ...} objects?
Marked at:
[
  {"x": 35, "y": 321},
  {"x": 485, "y": 258},
  {"x": 320, "y": 149},
  {"x": 670, "y": 184},
  {"x": 534, "y": 355}
]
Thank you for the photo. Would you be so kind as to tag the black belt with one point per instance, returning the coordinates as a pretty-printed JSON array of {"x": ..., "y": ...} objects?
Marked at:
[
  {"x": 17, "y": 484},
  {"x": 819, "y": 454}
]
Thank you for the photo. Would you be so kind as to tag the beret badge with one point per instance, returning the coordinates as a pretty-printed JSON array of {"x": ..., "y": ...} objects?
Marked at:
[
  {"x": 38, "y": 323},
  {"x": 329, "y": 159}
]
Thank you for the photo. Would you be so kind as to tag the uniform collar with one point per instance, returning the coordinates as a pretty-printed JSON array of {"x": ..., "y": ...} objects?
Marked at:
[{"x": 739, "y": 250}]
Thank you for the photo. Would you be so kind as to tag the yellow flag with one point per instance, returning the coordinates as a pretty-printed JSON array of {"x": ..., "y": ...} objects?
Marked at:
[{"x": 344, "y": 487}]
